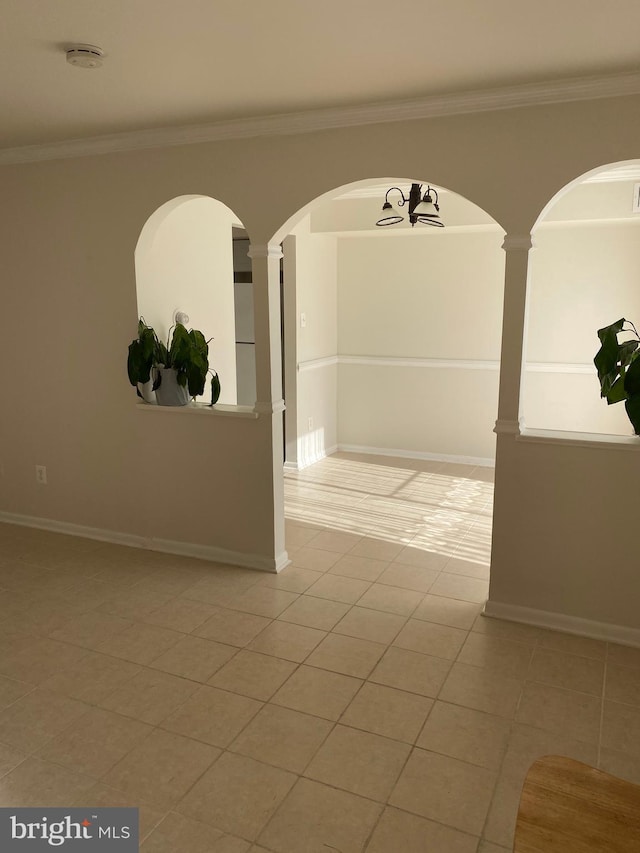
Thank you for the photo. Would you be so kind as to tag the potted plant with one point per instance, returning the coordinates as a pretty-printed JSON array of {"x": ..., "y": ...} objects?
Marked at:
[
  {"x": 178, "y": 369},
  {"x": 618, "y": 366}
]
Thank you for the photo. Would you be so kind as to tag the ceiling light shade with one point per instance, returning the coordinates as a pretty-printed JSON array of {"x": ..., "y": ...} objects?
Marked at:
[
  {"x": 390, "y": 215},
  {"x": 422, "y": 209}
]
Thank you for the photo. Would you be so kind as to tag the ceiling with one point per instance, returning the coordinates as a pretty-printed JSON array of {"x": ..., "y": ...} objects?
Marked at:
[{"x": 176, "y": 62}]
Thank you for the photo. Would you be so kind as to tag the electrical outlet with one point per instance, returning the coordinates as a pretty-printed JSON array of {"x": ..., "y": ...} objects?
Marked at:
[
  {"x": 41, "y": 474},
  {"x": 310, "y": 424}
]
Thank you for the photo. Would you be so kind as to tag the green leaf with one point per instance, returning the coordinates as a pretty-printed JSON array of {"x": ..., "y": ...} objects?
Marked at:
[
  {"x": 626, "y": 352},
  {"x": 215, "y": 389},
  {"x": 632, "y": 405},
  {"x": 617, "y": 393},
  {"x": 613, "y": 329}
]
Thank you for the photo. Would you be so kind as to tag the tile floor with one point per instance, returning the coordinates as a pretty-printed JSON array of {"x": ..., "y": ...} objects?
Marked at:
[{"x": 357, "y": 701}]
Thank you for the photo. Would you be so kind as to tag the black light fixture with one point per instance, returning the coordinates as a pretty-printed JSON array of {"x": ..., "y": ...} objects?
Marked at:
[{"x": 422, "y": 208}]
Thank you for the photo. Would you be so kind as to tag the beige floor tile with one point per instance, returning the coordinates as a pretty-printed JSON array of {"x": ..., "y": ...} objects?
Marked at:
[
  {"x": 232, "y": 627},
  {"x": 331, "y": 540},
  {"x": 623, "y": 684},
  {"x": 287, "y": 640},
  {"x": 136, "y": 603},
  {"x": 312, "y": 612},
  {"x": 468, "y": 568},
  {"x": 255, "y": 675},
  {"x": 365, "y": 624},
  {"x": 10, "y": 758},
  {"x": 463, "y": 733},
  {"x": 162, "y": 768},
  {"x": 181, "y": 614},
  {"x": 176, "y": 833},
  {"x": 237, "y": 795},
  {"x": 315, "y": 817},
  {"x": 337, "y": 588},
  {"x": 569, "y": 643},
  {"x": 104, "y": 796},
  {"x": 563, "y": 711},
  {"x": 296, "y": 536},
  {"x": 445, "y": 789},
  {"x": 415, "y": 578},
  {"x": 422, "y": 558},
  {"x": 527, "y": 744},
  {"x": 282, "y": 737},
  {"x": 140, "y": 643},
  {"x": 623, "y": 655},
  {"x": 388, "y": 712},
  {"x": 501, "y": 820},
  {"x": 490, "y": 847},
  {"x": 447, "y": 611},
  {"x": 35, "y": 782},
  {"x": 391, "y": 599},
  {"x": 93, "y": 744},
  {"x": 411, "y": 671},
  {"x": 377, "y": 549},
  {"x": 481, "y": 689},
  {"x": 509, "y": 630},
  {"x": 91, "y": 629},
  {"x": 620, "y": 728},
  {"x": 292, "y": 579},
  {"x": 213, "y": 716},
  {"x": 36, "y": 660},
  {"x": 570, "y": 671},
  {"x": 317, "y": 691},
  {"x": 93, "y": 678},
  {"x": 12, "y": 690},
  {"x": 439, "y": 641},
  {"x": 398, "y": 831},
  {"x": 362, "y": 568},
  {"x": 360, "y": 762},
  {"x": 261, "y": 601},
  {"x": 463, "y": 588},
  {"x": 37, "y": 717},
  {"x": 507, "y": 657},
  {"x": 346, "y": 655},
  {"x": 315, "y": 559},
  {"x": 195, "y": 658},
  {"x": 150, "y": 696},
  {"x": 620, "y": 764}
]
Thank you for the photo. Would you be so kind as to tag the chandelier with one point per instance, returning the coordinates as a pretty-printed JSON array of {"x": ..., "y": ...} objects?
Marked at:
[{"x": 422, "y": 207}]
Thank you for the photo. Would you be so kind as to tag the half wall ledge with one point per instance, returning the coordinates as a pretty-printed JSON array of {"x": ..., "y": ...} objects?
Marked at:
[
  {"x": 579, "y": 439},
  {"x": 219, "y": 410}
]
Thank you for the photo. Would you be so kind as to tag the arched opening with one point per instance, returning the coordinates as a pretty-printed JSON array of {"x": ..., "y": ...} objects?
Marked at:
[
  {"x": 189, "y": 259},
  {"x": 391, "y": 367},
  {"x": 582, "y": 277}
]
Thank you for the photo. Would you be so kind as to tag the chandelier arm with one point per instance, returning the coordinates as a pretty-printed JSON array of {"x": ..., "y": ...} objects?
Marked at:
[{"x": 400, "y": 203}]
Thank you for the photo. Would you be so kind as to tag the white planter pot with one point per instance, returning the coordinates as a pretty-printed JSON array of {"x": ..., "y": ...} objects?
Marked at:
[
  {"x": 146, "y": 389},
  {"x": 169, "y": 393}
]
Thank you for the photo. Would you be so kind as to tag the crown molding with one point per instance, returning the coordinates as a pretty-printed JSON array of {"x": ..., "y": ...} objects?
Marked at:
[{"x": 506, "y": 97}]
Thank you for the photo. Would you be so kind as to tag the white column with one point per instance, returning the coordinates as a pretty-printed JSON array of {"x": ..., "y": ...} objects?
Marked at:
[
  {"x": 265, "y": 262},
  {"x": 514, "y": 317}
]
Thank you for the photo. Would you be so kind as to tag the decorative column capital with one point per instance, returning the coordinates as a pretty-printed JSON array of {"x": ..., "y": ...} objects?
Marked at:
[
  {"x": 267, "y": 408},
  {"x": 517, "y": 243},
  {"x": 265, "y": 251}
]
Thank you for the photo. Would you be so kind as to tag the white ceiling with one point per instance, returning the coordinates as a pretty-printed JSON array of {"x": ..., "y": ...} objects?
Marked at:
[{"x": 175, "y": 62}]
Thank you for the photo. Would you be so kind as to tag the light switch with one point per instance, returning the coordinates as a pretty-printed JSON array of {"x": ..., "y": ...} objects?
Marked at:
[{"x": 303, "y": 321}]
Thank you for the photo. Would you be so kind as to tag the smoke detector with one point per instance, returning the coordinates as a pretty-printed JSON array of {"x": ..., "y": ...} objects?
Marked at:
[{"x": 85, "y": 55}]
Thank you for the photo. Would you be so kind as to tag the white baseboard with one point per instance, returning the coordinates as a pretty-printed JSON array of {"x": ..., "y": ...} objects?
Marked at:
[
  {"x": 563, "y": 622},
  {"x": 166, "y": 546},
  {"x": 479, "y": 461},
  {"x": 307, "y": 456},
  {"x": 291, "y": 466}
]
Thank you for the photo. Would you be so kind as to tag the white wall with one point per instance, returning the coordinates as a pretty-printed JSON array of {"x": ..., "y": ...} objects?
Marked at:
[
  {"x": 184, "y": 261},
  {"x": 583, "y": 276},
  {"x": 316, "y": 297},
  {"x": 419, "y": 318}
]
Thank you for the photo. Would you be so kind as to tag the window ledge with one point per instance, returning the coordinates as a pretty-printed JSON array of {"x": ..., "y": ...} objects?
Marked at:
[
  {"x": 580, "y": 439},
  {"x": 219, "y": 410}
]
